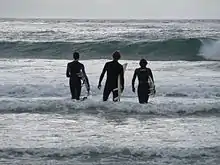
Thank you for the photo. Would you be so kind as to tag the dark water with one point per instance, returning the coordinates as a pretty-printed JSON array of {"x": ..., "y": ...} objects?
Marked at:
[
  {"x": 175, "y": 49},
  {"x": 162, "y": 40}
]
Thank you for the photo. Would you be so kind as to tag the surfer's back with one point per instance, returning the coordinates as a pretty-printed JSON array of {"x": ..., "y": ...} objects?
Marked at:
[
  {"x": 113, "y": 68},
  {"x": 143, "y": 74},
  {"x": 75, "y": 68}
]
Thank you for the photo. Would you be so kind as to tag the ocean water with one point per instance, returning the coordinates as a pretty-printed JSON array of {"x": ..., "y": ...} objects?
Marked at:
[{"x": 40, "y": 124}]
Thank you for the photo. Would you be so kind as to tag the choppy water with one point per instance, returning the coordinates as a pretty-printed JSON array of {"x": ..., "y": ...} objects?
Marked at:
[
  {"x": 190, "y": 40},
  {"x": 39, "y": 124}
]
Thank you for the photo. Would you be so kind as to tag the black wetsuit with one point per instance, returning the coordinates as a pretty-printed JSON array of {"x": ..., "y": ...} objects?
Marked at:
[
  {"x": 113, "y": 69},
  {"x": 143, "y": 86},
  {"x": 74, "y": 71}
]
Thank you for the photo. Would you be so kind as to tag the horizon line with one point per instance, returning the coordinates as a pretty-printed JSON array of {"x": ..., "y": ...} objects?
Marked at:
[{"x": 68, "y": 18}]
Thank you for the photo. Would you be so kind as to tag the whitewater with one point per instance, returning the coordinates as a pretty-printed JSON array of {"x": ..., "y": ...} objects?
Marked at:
[{"x": 40, "y": 124}]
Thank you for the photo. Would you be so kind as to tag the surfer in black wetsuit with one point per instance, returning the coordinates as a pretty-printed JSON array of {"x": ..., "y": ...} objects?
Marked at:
[
  {"x": 113, "y": 69},
  {"x": 76, "y": 73},
  {"x": 143, "y": 74}
]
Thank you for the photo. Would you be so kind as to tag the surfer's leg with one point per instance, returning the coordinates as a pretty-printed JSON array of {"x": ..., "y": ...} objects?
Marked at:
[
  {"x": 78, "y": 91},
  {"x": 146, "y": 98},
  {"x": 145, "y": 91},
  {"x": 147, "y": 94},
  {"x": 106, "y": 93},
  {"x": 115, "y": 95},
  {"x": 141, "y": 94},
  {"x": 72, "y": 89}
]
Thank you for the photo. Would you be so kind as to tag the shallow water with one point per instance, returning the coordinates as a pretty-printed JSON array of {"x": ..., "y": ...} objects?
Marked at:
[{"x": 41, "y": 125}]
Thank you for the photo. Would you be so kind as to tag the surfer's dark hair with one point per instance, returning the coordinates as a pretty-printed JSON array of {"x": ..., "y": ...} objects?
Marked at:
[
  {"x": 76, "y": 55},
  {"x": 143, "y": 62},
  {"x": 116, "y": 55}
]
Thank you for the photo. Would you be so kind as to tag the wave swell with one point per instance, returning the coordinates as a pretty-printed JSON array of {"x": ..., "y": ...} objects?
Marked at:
[
  {"x": 191, "y": 49},
  {"x": 61, "y": 105}
]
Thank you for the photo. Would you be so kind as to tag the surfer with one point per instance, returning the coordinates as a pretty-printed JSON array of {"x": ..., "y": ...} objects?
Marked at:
[
  {"x": 113, "y": 69},
  {"x": 76, "y": 73},
  {"x": 143, "y": 73}
]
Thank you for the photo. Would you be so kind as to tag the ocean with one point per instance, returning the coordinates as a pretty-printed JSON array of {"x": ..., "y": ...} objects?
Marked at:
[{"x": 40, "y": 124}]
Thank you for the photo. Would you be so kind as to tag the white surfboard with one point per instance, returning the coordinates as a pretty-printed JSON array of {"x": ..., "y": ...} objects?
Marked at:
[
  {"x": 152, "y": 86},
  {"x": 85, "y": 83},
  {"x": 119, "y": 82}
]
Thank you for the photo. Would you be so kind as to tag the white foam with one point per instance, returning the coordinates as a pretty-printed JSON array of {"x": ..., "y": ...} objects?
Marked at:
[
  {"x": 210, "y": 50},
  {"x": 180, "y": 86},
  {"x": 157, "y": 106}
]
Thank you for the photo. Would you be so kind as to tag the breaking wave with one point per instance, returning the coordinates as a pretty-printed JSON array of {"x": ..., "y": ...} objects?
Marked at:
[
  {"x": 94, "y": 106},
  {"x": 191, "y": 49}
]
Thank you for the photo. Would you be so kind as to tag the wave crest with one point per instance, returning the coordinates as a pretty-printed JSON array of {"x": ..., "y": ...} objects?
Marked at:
[
  {"x": 173, "y": 49},
  {"x": 61, "y": 105}
]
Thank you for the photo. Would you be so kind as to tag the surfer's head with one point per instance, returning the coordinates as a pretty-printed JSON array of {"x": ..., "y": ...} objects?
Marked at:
[
  {"x": 76, "y": 55},
  {"x": 116, "y": 55},
  {"x": 143, "y": 63}
]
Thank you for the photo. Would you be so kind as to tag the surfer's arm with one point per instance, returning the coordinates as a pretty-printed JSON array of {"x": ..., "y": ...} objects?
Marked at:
[
  {"x": 134, "y": 78},
  {"x": 102, "y": 74},
  {"x": 67, "y": 71}
]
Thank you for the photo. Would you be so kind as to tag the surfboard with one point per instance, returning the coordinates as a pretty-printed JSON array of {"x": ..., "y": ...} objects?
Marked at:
[
  {"x": 152, "y": 86},
  {"x": 85, "y": 83},
  {"x": 119, "y": 81}
]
